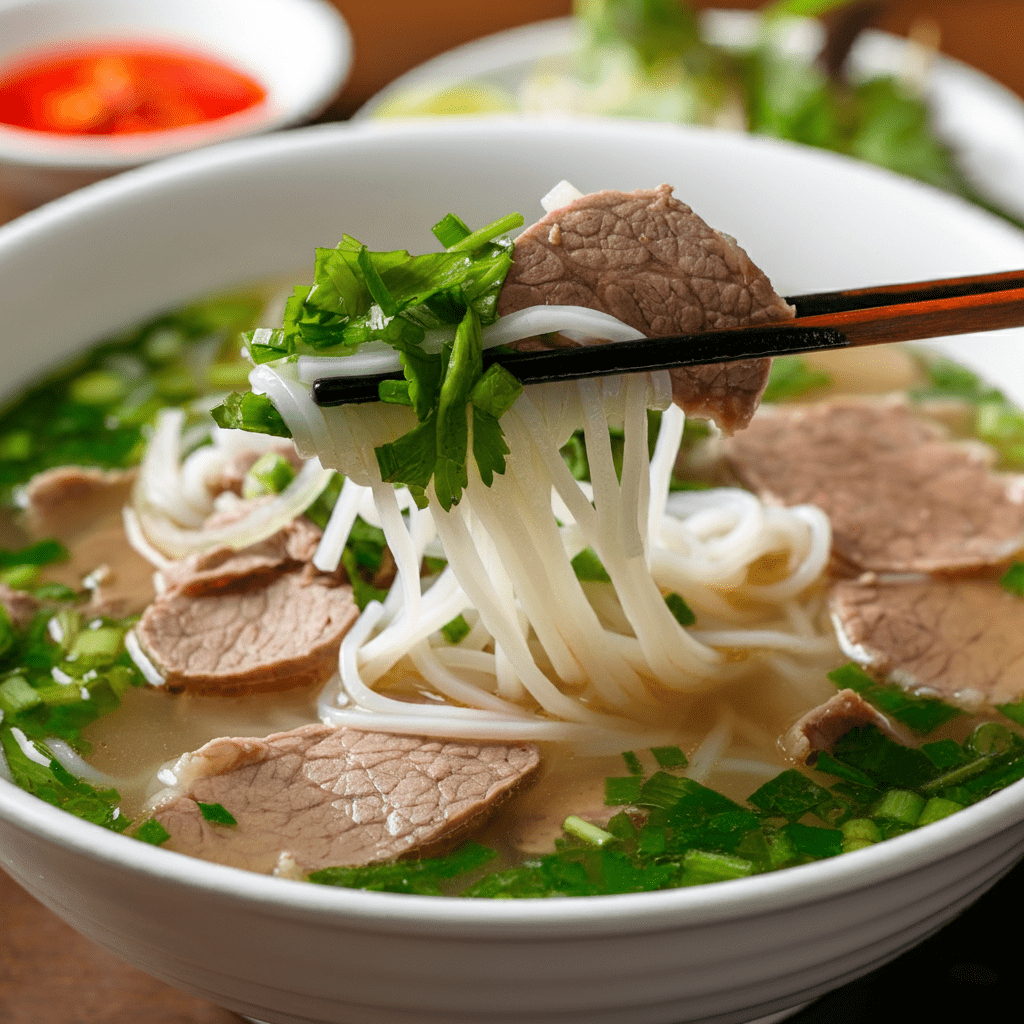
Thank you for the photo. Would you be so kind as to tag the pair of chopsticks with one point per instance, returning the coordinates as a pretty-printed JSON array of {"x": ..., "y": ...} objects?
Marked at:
[{"x": 824, "y": 320}]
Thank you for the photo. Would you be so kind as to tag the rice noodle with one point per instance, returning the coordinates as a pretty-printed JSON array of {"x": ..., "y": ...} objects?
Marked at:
[{"x": 602, "y": 665}]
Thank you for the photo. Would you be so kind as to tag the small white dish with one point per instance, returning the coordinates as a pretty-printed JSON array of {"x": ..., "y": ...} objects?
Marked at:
[
  {"x": 295, "y": 953},
  {"x": 981, "y": 119},
  {"x": 299, "y": 51}
]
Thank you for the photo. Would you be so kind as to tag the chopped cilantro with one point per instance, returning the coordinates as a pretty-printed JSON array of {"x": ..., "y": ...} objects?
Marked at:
[{"x": 216, "y": 814}]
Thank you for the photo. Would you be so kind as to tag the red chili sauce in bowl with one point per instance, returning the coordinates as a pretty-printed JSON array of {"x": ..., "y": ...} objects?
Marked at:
[{"x": 122, "y": 89}]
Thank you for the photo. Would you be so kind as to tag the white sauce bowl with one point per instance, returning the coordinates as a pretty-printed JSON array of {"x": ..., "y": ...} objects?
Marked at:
[{"x": 290, "y": 952}]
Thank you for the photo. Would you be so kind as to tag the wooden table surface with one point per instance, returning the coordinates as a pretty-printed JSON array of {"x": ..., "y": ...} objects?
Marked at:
[{"x": 50, "y": 975}]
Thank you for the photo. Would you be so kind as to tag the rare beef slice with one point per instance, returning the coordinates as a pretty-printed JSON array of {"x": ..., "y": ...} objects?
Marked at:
[
  {"x": 213, "y": 570},
  {"x": 322, "y": 795},
  {"x": 272, "y": 636},
  {"x": 901, "y": 496},
  {"x": 649, "y": 260},
  {"x": 960, "y": 640}
]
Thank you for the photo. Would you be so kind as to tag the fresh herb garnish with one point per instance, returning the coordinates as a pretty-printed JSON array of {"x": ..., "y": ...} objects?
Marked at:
[
  {"x": 216, "y": 814},
  {"x": 152, "y": 832},
  {"x": 94, "y": 412}
]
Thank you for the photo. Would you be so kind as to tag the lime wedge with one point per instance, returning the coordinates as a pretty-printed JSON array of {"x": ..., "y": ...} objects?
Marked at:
[{"x": 448, "y": 101}]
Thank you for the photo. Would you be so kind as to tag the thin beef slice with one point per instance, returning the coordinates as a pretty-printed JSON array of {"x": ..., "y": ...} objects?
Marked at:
[
  {"x": 901, "y": 496},
  {"x": 649, "y": 260},
  {"x": 321, "y": 796},
  {"x": 283, "y": 634},
  {"x": 960, "y": 640}
]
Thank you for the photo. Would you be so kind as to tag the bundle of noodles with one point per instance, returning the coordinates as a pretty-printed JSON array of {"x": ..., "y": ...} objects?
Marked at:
[{"x": 543, "y": 654}]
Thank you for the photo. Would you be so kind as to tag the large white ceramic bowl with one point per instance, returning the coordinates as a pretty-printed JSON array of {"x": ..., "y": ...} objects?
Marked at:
[
  {"x": 298, "y": 50},
  {"x": 285, "y": 951}
]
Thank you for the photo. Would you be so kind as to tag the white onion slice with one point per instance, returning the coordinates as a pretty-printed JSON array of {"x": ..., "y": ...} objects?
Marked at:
[{"x": 262, "y": 522}]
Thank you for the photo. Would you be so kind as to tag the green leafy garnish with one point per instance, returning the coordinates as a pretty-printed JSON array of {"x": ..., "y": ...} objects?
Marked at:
[
  {"x": 791, "y": 377},
  {"x": 216, "y": 814},
  {"x": 680, "y": 610},
  {"x": 152, "y": 832},
  {"x": 923, "y": 714},
  {"x": 252, "y": 412},
  {"x": 95, "y": 411},
  {"x": 456, "y": 630},
  {"x": 1013, "y": 579},
  {"x": 425, "y": 877},
  {"x": 589, "y": 568}
]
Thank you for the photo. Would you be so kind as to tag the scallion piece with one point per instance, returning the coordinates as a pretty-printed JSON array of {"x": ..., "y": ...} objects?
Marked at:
[
  {"x": 936, "y": 809},
  {"x": 216, "y": 814},
  {"x": 717, "y": 865},
  {"x": 586, "y": 831},
  {"x": 901, "y": 805}
]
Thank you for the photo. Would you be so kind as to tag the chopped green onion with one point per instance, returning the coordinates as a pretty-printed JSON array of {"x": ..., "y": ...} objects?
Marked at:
[
  {"x": 669, "y": 757},
  {"x": 271, "y": 473},
  {"x": 586, "y": 831},
  {"x": 216, "y": 814},
  {"x": 622, "y": 790},
  {"x": 900, "y": 805},
  {"x": 861, "y": 829},
  {"x": 633, "y": 765},
  {"x": 152, "y": 832},
  {"x": 936, "y": 809},
  {"x": 680, "y": 610},
  {"x": 589, "y": 568},
  {"x": 456, "y": 630},
  {"x": 717, "y": 865},
  {"x": 1013, "y": 579}
]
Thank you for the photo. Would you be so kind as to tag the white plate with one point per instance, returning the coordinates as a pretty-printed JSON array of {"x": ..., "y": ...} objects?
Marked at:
[{"x": 981, "y": 119}]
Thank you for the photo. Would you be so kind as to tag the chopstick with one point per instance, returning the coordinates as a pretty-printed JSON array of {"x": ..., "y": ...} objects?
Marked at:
[{"x": 824, "y": 320}]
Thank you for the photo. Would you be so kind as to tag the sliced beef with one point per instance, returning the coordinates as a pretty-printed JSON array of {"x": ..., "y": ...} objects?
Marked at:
[
  {"x": 59, "y": 500},
  {"x": 20, "y": 606},
  {"x": 823, "y": 726},
  {"x": 321, "y": 796},
  {"x": 960, "y": 640},
  {"x": 270, "y": 637},
  {"x": 210, "y": 571},
  {"x": 900, "y": 495},
  {"x": 649, "y": 260}
]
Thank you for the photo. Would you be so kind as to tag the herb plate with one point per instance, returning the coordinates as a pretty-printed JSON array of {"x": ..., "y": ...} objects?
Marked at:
[{"x": 982, "y": 120}]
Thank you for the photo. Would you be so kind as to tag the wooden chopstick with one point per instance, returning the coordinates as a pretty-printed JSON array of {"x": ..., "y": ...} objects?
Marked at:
[{"x": 826, "y": 320}]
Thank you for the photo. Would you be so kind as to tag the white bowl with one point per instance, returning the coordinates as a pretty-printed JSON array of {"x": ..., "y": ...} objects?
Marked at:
[
  {"x": 300, "y": 51},
  {"x": 292, "y": 952}
]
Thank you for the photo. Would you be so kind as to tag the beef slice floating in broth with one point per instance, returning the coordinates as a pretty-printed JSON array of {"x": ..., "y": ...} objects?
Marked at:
[
  {"x": 901, "y": 496},
  {"x": 648, "y": 259},
  {"x": 822, "y": 727},
  {"x": 256, "y": 619},
  {"x": 960, "y": 640},
  {"x": 321, "y": 796}
]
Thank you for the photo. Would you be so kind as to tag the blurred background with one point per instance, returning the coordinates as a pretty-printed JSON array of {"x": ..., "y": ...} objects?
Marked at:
[{"x": 47, "y": 972}]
